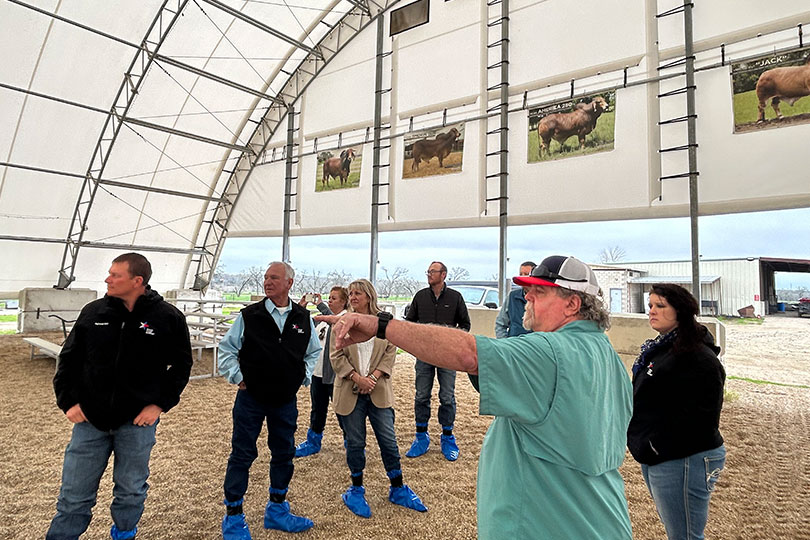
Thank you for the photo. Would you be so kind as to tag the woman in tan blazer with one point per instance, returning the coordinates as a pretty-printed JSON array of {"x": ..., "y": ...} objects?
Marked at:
[{"x": 363, "y": 390}]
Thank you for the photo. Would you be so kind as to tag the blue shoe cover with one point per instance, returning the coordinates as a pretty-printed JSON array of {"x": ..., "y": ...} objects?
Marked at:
[
  {"x": 118, "y": 534},
  {"x": 355, "y": 500},
  {"x": 235, "y": 528},
  {"x": 404, "y": 496},
  {"x": 449, "y": 447},
  {"x": 278, "y": 516},
  {"x": 310, "y": 446},
  {"x": 420, "y": 444}
]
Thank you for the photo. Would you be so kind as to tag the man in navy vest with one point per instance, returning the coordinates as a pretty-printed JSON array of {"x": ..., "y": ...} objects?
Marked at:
[
  {"x": 270, "y": 351},
  {"x": 509, "y": 321}
]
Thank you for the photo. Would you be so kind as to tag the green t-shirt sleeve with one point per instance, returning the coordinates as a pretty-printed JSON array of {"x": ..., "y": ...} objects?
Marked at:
[{"x": 517, "y": 377}]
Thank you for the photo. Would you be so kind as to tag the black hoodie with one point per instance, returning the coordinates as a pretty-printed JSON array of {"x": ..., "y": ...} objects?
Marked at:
[
  {"x": 677, "y": 398},
  {"x": 116, "y": 362}
]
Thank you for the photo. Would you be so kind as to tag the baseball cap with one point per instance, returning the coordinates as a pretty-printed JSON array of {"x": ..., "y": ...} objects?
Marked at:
[{"x": 559, "y": 271}]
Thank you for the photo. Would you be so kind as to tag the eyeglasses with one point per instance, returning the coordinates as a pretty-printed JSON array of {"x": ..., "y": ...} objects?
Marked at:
[{"x": 429, "y": 272}]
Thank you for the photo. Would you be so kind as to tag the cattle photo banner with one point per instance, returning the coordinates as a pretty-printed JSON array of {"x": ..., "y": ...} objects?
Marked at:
[
  {"x": 339, "y": 169},
  {"x": 577, "y": 127},
  {"x": 768, "y": 91},
  {"x": 431, "y": 152}
]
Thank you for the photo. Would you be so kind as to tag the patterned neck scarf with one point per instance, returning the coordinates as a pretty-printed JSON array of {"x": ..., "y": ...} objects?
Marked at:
[{"x": 651, "y": 345}]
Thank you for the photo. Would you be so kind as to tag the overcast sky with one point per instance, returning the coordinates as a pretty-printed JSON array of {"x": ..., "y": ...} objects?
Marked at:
[{"x": 784, "y": 233}]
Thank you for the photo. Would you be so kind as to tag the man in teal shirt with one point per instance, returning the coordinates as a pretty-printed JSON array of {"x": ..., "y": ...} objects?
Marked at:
[{"x": 562, "y": 401}]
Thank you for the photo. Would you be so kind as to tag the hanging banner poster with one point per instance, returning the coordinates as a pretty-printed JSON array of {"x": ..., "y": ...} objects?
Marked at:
[
  {"x": 768, "y": 91},
  {"x": 433, "y": 151},
  {"x": 572, "y": 128},
  {"x": 339, "y": 169}
]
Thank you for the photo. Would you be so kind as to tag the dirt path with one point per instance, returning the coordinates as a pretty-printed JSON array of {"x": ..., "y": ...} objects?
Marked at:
[{"x": 764, "y": 492}]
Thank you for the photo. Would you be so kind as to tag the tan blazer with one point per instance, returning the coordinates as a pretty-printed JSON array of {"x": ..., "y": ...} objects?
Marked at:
[{"x": 347, "y": 359}]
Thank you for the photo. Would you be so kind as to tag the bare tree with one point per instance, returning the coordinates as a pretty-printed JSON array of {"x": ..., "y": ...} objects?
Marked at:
[
  {"x": 393, "y": 282},
  {"x": 612, "y": 254},
  {"x": 458, "y": 273},
  {"x": 252, "y": 280}
]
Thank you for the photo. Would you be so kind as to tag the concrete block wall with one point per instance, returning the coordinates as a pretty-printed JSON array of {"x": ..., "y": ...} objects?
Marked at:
[{"x": 36, "y": 304}]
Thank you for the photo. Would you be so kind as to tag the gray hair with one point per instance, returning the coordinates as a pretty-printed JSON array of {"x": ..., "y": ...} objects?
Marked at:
[
  {"x": 592, "y": 308},
  {"x": 289, "y": 272}
]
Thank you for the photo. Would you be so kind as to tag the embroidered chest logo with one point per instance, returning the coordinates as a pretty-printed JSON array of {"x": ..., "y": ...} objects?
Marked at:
[
  {"x": 148, "y": 330},
  {"x": 298, "y": 329},
  {"x": 649, "y": 369},
  {"x": 102, "y": 324}
]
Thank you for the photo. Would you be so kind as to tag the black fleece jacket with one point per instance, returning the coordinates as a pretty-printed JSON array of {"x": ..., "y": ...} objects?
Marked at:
[
  {"x": 116, "y": 362},
  {"x": 677, "y": 398},
  {"x": 448, "y": 309}
]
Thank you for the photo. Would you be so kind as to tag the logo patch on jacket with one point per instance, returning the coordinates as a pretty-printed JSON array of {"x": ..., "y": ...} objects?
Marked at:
[
  {"x": 298, "y": 329},
  {"x": 102, "y": 324},
  {"x": 649, "y": 369},
  {"x": 148, "y": 330}
]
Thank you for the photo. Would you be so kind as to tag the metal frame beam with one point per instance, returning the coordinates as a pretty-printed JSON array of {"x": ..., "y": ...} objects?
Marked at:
[
  {"x": 364, "y": 7},
  {"x": 691, "y": 136},
  {"x": 185, "y": 134},
  {"x": 261, "y": 26},
  {"x": 133, "y": 79},
  {"x": 129, "y": 119},
  {"x": 331, "y": 43},
  {"x": 104, "y": 245},
  {"x": 159, "y": 57},
  {"x": 289, "y": 161},
  {"x": 114, "y": 183},
  {"x": 375, "y": 175}
]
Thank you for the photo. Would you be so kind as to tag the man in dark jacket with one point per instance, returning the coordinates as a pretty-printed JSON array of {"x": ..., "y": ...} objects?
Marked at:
[
  {"x": 436, "y": 304},
  {"x": 269, "y": 352},
  {"x": 125, "y": 362}
]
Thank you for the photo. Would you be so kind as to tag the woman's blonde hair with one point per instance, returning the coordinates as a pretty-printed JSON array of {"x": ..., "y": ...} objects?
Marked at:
[{"x": 365, "y": 286}]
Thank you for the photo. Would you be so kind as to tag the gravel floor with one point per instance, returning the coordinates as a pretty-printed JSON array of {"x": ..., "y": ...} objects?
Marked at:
[{"x": 764, "y": 492}]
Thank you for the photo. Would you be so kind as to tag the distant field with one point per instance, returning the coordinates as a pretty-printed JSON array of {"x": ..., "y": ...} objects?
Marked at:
[{"x": 599, "y": 140}]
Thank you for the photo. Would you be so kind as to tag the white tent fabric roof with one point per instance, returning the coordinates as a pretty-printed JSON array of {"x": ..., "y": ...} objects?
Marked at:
[{"x": 62, "y": 65}]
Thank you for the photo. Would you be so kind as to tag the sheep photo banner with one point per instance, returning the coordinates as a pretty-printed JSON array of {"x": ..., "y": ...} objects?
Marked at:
[
  {"x": 339, "y": 169},
  {"x": 577, "y": 127},
  {"x": 767, "y": 91},
  {"x": 431, "y": 152}
]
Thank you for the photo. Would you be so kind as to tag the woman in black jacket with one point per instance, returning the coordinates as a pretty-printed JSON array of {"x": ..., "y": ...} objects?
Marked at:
[{"x": 677, "y": 397}]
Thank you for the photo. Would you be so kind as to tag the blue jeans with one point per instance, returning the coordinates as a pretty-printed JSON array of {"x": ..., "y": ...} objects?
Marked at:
[
  {"x": 248, "y": 417},
  {"x": 382, "y": 422},
  {"x": 681, "y": 489},
  {"x": 321, "y": 394},
  {"x": 424, "y": 387},
  {"x": 86, "y": 457}
]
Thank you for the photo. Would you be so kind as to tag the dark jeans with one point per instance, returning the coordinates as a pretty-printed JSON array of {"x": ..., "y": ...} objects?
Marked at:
[
  {"x": 86, "y": 457},
  {"x": 321, "y": 394},
  {"x": 248, "y": 416},
  {"x": 424, "y": 387},
  {"x": 382, "y": 422}
]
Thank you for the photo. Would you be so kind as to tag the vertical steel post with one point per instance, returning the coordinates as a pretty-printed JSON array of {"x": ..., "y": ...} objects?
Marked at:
[
  {"x": 288, "y": 178},
  {"x": 375, "y": 175},
  {"x": 503, "y": 288},
  {"x": 692, "y": 142}
]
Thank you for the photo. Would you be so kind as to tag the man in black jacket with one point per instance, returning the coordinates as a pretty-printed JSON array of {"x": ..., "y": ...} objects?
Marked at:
[
  {"x": 125, "y": 362},
  {"x": 436, "y": 304}
]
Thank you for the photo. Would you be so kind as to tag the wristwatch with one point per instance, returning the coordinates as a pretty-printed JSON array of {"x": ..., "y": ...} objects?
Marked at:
[{"x": 382, "y": 323}]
